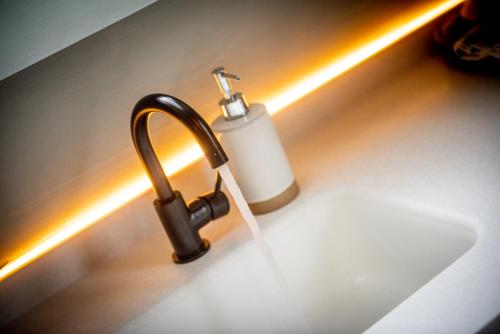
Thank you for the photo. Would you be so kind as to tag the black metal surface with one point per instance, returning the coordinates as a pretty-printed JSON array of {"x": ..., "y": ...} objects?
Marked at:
[
  {"x": 170, "y": 105},
  {"x": 180, "y": 221}
]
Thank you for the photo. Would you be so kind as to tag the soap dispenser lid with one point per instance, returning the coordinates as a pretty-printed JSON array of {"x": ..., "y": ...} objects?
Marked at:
[{"x": 233, "y": 105}]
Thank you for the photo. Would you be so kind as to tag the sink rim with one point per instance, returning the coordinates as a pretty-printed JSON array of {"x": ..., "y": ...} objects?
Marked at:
[{"x": 277, "y": 219}]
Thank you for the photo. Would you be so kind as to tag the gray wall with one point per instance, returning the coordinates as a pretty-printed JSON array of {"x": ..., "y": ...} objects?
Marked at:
[
  {"x": 65, "y": 128},
  {"x": 31, "y": 30}
]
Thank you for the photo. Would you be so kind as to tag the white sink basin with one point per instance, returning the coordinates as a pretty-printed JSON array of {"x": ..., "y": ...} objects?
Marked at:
[{"x": 348, "y": 261}]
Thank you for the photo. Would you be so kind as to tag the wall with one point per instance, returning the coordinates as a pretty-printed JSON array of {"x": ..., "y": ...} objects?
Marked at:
[
  {"x": 65, "y": 129},
  {"x": 31, "y": 30}
]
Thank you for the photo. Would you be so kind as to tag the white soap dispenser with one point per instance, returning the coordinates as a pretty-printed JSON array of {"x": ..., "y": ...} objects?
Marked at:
[{"x": 256, "y": 156}]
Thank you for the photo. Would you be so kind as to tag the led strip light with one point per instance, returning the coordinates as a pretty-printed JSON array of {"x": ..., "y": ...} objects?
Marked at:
[{"x": 141, "y": 184}]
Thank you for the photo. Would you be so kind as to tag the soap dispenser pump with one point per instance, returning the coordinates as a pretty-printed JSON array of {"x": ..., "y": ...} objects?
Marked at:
[{"x": 257, "y": 158}]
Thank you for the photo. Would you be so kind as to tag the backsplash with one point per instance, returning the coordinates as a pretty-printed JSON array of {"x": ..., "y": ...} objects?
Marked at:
[{"x": 65, "y": 131}]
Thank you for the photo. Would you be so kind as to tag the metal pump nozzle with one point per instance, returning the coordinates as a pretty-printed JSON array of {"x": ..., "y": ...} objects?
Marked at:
[{"x": 233, "y": 105}]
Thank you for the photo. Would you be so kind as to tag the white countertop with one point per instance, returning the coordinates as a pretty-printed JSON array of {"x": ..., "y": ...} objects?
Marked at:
[
  {"x": 430, "y": 135},
  {"x": 426, "y": 134}
]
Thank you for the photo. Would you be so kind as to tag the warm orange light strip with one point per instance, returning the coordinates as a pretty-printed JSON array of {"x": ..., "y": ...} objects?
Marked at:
[
  {"x": 339, "y": 66},
  {"x": 141, "y": 184}
]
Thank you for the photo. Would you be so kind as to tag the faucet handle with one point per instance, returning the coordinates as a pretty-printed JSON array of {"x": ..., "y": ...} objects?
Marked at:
[
  {"x": 209, "y": 206},
  {"x": 221, "y": 78}
]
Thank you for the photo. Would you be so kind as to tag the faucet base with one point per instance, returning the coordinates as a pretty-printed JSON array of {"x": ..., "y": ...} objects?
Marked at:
[{"x": 196, "y": 255}]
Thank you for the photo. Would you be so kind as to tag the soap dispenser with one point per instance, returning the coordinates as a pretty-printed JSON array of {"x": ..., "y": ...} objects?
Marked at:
[{"x": 256, "y": 157}]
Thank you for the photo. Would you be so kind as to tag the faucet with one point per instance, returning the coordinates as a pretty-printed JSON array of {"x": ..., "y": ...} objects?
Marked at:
[{"x": 181, "y": 221}]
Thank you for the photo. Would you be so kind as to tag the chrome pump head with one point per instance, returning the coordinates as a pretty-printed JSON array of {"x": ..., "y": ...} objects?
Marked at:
[{"x": 233, "y": 105}]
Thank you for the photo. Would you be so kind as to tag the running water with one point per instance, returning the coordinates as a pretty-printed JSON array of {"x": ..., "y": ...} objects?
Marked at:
[{"x": 253, "y": 225}]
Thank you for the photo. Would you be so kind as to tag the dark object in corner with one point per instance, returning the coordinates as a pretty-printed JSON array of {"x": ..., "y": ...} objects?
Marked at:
[
  {"x": 471, "y": 33},
  {"x": 181, "y": 222}
]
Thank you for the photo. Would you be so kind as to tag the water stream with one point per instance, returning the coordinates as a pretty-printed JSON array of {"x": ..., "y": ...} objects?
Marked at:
[{"x": 253, "y": 225}]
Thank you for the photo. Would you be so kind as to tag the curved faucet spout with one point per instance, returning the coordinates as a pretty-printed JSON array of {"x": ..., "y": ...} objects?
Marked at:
[
  {"x": 181, "y": 222},
  {"x": 191, "y": 119}
]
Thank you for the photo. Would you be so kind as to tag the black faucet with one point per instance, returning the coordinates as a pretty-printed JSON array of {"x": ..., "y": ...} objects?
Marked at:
[{"x": 181, "y": 222}]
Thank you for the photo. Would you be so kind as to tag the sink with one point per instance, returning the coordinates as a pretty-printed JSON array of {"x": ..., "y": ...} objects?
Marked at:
[{"x": 348, "y": 259}]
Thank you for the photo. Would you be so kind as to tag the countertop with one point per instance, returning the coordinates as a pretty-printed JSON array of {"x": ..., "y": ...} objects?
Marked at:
[{"x": 425, "y": 133}]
